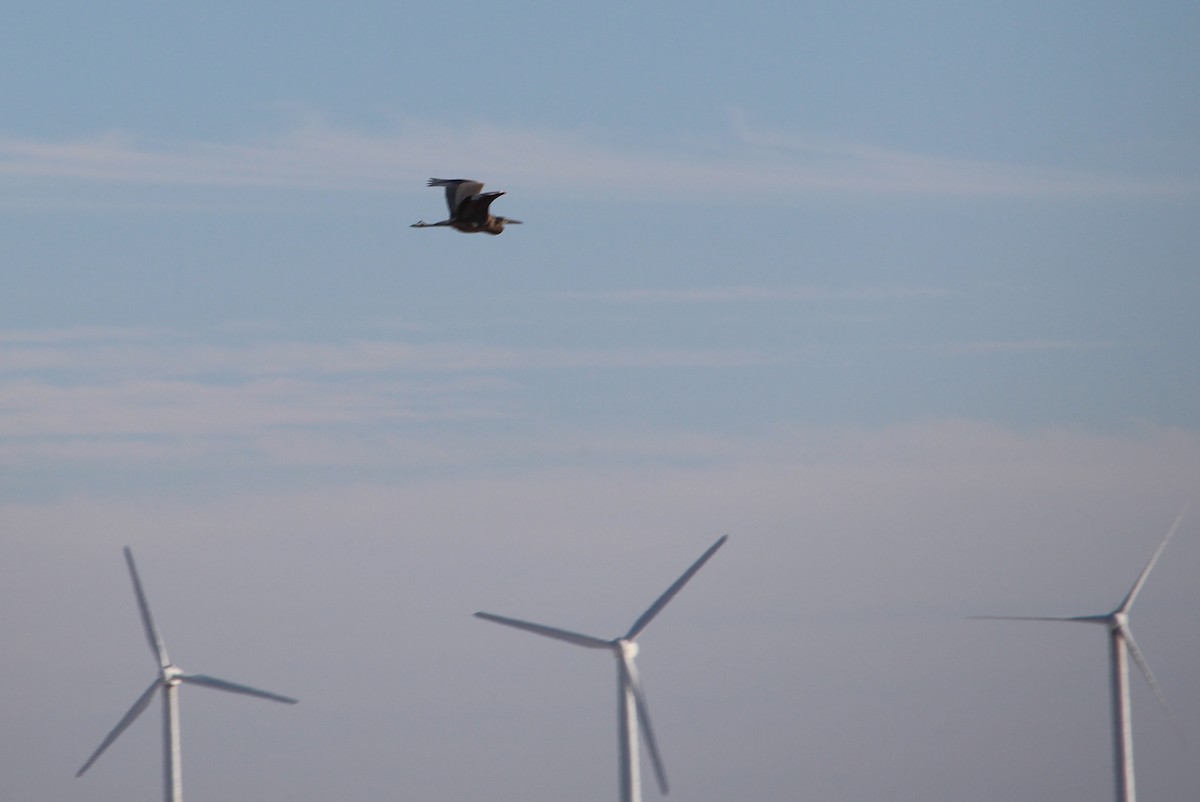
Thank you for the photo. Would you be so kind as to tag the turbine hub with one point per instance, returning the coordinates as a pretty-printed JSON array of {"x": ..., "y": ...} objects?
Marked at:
[
  {"x": 1118, "y": 621},
  {"x": 628, "y": 648},
  {"x": 171, "y": 674}
]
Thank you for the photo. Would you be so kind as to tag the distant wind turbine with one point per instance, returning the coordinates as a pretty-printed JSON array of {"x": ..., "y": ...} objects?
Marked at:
[
  {"x": 1120, "y": 644},
  {"x": 632, "y": 712},
  {"x": 168, "y": 679}
]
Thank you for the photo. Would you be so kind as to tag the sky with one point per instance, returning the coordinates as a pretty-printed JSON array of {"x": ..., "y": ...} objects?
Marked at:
[{"x": 901, "y": 298}]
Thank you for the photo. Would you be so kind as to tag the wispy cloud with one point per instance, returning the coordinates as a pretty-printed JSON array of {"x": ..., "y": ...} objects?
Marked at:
[
  {"x": 870, "y": 169},
  {"x": 82, "y": 404},
  {"x": 754, "y": 294},
  {"x": 750, "y": 166},
  {"x": 119, "y": 383},
  {"x": 190, "y": 408},
  {"x": 77, "y": 334},
  {"x": 374, "y": 356},
  {"x": 1022, "y": 346}
]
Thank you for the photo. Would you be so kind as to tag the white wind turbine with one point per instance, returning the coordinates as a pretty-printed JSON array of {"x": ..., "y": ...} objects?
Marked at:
[
  {"x": 168, "y": 680},
  {"x": 1120, "y": 645},
  {"x": 632, "y": 712}
]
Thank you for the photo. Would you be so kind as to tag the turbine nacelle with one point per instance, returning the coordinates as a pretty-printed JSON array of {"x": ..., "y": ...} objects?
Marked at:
[
  {"x": 625, "y": 648},
  {"x": 171, "y": 675}
]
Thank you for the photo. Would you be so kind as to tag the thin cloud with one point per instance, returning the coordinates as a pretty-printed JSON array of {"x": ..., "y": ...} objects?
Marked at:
[
  {"x": 77, "y": 334},
  {"x": 152, "y": 396},
  {"x": 754, "y": 294},
  {"x": 1022, "y": 346},
  {"x": 860, "y": 168},
  {"x": 194, "y": 408},
  {"x": 753, "y": 166},
  {"x": 33, "y": 352},
  {"x": 118, "y": 383}
]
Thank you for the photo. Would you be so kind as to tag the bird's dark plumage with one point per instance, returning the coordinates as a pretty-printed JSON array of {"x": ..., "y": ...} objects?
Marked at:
[{"x": 469, "y": 207}]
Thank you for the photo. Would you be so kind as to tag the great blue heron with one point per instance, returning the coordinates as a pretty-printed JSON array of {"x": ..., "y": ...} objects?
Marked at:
[{"x": 468, "y": 207}]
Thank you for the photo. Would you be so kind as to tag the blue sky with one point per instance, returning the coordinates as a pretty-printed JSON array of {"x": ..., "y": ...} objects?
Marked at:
[{"x": 902, "y": 299}]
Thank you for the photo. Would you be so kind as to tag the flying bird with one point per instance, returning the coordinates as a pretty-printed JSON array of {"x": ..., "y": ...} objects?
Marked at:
[{"x": 468, "y": 207}]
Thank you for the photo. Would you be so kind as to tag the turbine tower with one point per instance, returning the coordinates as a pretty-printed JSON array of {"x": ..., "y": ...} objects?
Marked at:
[
  {"x": 1121, "y": 645},
  {"x": 632, "y": 712},
  {"x": 168, "y": 680}
]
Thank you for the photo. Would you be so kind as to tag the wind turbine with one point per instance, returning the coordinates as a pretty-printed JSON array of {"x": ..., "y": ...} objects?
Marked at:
[
  {"x": 1120, "y": 645},
  {"x": 632, "y": 712},
  {"x": 168, "y": 680}
]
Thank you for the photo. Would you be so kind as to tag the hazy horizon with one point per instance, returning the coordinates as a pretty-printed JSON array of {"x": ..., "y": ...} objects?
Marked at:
[{"x": 903, "y": 300}]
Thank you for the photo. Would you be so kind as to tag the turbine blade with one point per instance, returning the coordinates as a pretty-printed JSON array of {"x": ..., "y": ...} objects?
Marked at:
[
  {"x": 643, "y": 712},
  {"x": 662, "y": 600},
  {"x": 1144, "y": 667},
  {"x": 1078, "y": 619},
  {"x": 1141, "y": 580},
  {"x": 550, "y": 632},
  {"x": 140, "y": 705},
  {"x": 152, "y": 636},
  {"x": 233, "y": 687}
]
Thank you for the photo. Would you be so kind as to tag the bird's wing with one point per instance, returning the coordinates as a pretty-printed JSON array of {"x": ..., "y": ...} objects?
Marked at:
[
  {"x": 464, "y": 193},
  {"x": 457, "y": 191},
  {"x": 475, "y": 207}
]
